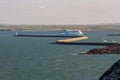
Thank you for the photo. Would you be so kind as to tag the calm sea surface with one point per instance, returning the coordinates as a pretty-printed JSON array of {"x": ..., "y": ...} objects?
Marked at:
[{"x": 37, "y": 58}]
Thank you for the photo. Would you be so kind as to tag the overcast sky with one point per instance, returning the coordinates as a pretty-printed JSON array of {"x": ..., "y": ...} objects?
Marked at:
[{"x": 59, "y": 11}]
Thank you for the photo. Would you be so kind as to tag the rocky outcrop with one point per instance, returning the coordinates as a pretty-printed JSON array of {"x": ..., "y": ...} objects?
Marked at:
[
  {"x": 105, "y": 50},
  {"x": 113, "y": 73}
]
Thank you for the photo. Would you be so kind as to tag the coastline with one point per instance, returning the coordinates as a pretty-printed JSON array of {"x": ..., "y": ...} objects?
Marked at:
[
  {"x": 55, "y": 30},
  {"x": 59, "y": 27}
]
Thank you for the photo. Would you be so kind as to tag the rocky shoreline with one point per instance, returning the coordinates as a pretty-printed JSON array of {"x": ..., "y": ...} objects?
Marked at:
[
  {"x": 113, "y": 73},
  {"x": 105, "y": 50}
]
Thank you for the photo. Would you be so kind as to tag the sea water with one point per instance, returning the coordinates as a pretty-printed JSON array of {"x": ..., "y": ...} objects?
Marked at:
[{"x": 39, "y": 58}]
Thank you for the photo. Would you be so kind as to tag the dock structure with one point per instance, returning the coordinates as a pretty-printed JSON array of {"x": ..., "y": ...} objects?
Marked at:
[
  {"x": 90, "y": 43},
  {"x": 44, "y": 35},
  {"x": 113, "y": 35},
  {"x": 72, "y": 39}
]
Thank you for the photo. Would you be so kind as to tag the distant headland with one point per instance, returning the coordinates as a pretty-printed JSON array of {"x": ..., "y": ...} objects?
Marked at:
[{"x": 99, "y": 27}]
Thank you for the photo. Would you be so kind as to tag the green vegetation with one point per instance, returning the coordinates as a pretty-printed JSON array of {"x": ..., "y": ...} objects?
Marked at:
[{"x": 60, "y": 27}]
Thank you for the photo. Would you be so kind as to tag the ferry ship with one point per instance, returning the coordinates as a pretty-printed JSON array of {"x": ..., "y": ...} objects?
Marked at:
[{"x": 71, "y": 33}]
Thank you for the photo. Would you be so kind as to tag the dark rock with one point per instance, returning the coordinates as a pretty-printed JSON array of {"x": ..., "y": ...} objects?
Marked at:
[
  {"x": 105, "y": 50},
  {"x": 113, "y": 73}
]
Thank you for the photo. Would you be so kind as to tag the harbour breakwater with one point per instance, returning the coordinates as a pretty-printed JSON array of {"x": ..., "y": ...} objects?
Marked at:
[
  {"x": 89, "y": 43},
  {"x": 111, "y": 48},
  {"x": 113, "y": 35},
  {"x": 70, "y": 40},
  {"x": 42, "y": 35}
]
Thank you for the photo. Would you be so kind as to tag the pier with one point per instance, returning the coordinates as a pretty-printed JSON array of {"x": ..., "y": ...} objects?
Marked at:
[
  {"x": 90, "y": 43},
  {"x": 72, "y": 39},
  {"x": 44, "y": 35},
  {"x": 113, "y": 35}
]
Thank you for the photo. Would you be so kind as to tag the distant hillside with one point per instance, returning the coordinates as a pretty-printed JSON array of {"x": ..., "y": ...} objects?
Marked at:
[
  {"x": 100, "y": 27},
  {"x": 113, "y": 24}
]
